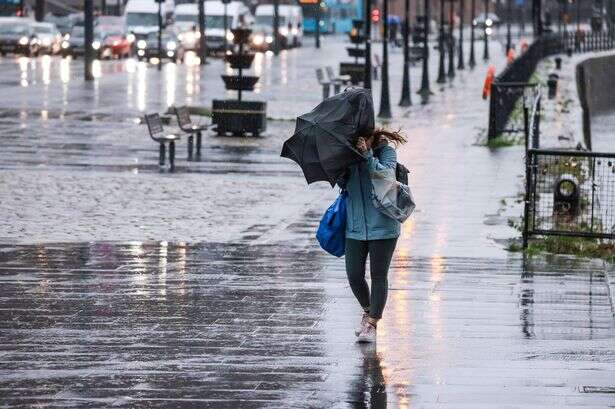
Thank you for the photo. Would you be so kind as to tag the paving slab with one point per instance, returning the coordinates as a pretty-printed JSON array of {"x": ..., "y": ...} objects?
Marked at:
[{"x": 127, "y": 286}]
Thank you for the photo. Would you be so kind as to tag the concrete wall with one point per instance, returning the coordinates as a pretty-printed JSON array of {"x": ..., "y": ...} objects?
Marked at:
[{"x": 596, "y": 85}]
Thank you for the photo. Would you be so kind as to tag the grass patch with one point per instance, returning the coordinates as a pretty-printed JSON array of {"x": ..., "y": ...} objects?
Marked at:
[
  {"x": 578, "y": 167},
  {"x": 535, "y": 79},
  {"x": 576, "y": 246},
  {"x": 504, "y": 141}
]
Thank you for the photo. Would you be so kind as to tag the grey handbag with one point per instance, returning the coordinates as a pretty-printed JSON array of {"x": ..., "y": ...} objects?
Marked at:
[{"x": 391, "y": 197}]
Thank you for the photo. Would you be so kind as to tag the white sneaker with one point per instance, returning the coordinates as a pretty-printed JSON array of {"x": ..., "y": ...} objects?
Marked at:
[
  {"x": 368, "y": 334},
  {"x": 364, "y": 319}
]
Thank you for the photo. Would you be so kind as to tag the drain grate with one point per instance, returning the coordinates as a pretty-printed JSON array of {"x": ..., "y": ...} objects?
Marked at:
[{"x": 597, "y": 389}]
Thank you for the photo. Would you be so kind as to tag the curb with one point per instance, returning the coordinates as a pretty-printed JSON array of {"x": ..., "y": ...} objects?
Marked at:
[{"x": 609, "y": 278}]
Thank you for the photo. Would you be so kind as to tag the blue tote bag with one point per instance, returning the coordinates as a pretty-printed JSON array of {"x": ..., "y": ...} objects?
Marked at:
[{"x": 331, "y": 232}]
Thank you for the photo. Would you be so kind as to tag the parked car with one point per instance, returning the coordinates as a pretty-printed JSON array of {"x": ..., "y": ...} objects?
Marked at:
[
  {"x": 147, "y": 47},
  {"x": 63, "y": 23},
  {"x": 49, "y": 37},
  {"x": 75, "y": 44},
  {"x": 17, "y": 36},
  {"x": 115, "y": 43},
  {"x": 290, "y": 20},
  {"x": 141, "y": 16},
  {"x": 237, "y": 15}
]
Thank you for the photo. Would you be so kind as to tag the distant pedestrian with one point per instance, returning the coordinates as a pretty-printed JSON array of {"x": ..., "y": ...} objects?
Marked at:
[{"x": 368, "y": 230}]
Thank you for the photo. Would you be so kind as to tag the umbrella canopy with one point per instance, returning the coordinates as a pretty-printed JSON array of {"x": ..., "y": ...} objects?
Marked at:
[{"x": 324, "y": 139}]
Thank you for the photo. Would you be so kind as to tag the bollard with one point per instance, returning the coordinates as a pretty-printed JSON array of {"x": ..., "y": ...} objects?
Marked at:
[
  {"x": 198, "y": 144},
  {"x": 190, "y": 146},
  {"x": 558, "y": 63},
  {"x": 161, "y": 154},
  {"x": 172, "y": 156},
  {"x": 488, "y": 81},
  {"x": 566, "y": 196},
  {"x": 569, "y": 51},
  {"x": 552, "y": 84}
]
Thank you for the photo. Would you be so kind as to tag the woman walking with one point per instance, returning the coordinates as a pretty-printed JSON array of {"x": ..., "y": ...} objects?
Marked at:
[{"x": 369, "y": 231}]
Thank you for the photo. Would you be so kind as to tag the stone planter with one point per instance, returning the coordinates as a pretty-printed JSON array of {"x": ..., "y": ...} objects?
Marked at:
[
  {"x": 240, "y": 61},
  {"x": 237, "y": 83},
  {"x": 239, "y": 117},
  {"x": 356, "y": 71}
]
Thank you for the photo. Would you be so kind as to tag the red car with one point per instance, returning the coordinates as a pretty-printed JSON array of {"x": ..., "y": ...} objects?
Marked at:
[{"x": 115, "y": 44}]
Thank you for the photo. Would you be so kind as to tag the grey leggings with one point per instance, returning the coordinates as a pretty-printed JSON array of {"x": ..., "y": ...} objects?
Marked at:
[{"x": 380, "y": 254}]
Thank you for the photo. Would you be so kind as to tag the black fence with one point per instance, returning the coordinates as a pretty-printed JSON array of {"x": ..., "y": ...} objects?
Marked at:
[
  {"x": 507, "y": 106},
  {"x": 588, "y": 41},
  {"x": 569, "y": 193},
  {"x": 505, "y": 90},
  {"x": 531, "y": 118}
]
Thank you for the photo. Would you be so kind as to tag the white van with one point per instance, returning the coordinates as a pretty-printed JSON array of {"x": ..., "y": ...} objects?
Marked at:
[
  {"x": 141, "y": 16},
  {"x": 290, "y": 23},
  {"x": 186, "y": 17},
  {"x": 238, "y": 15}
]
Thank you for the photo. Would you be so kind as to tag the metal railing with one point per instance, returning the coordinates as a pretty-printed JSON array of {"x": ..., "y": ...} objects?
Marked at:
[
  {"x": 505, "y": 90},
  {"x": 531, "y": 119},
  {"x": 569, "y": 193},
  {"x": 507, "y": 106},
  {"x": 588, "y": 41}
]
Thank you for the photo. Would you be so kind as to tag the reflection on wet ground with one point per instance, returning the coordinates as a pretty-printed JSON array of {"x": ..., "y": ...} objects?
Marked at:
[
  {"x": 239, "y": 308},
  {"x": 235, "y": 325}
]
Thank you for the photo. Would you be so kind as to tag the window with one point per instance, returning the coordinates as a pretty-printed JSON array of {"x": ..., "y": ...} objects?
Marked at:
[
  {"x": 141, "y": 19},
  {"x": 14, "y": 29}
]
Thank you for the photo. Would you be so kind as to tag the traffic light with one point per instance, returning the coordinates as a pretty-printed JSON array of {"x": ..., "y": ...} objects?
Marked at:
[{"x": 375, "y": 16}]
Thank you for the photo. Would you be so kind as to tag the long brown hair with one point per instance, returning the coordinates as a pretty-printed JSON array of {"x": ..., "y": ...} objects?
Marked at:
[{"x": 391, "y": 136}]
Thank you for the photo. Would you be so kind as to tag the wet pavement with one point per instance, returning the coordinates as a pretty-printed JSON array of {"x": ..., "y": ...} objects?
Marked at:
[
  {"x": 224, "y": 325},
  {"x": 127, "y": 286}
]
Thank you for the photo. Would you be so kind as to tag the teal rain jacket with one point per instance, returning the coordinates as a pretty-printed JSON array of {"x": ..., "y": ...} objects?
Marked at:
[{"x": 363, "y": 220}]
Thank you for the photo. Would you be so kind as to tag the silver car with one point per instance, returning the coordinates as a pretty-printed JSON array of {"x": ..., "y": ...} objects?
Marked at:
[{"x": 48, "y": 36}]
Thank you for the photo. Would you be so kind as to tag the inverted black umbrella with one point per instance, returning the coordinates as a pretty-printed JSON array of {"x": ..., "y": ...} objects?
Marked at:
[{"x": 324, "y": 139}]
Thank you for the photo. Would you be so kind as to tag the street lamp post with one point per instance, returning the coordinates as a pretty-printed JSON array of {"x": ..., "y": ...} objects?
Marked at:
[
  {"x": 276, "y": 26},
  {"x": 405, "y": 86},
  {"x": 317, "y": 28},
  {"x": 385, "y": 103},
  {"x": 451, "y": 40},
  {"x": 202, "y": 44},
  {"x": 367, "y": 72},
  {"x": 508, "y": 21},
  {"x": 226, "y": 2},
  {"x": 441, "y": 71},
  {"x": 425, "y": 91},
  {"x": 39, "y": 10},
  {"x": 461, "y": 63},
  {"x": 560, "y": 15},
  {"x": 472, "y": 61},
  {"x": 159, "y": 35},
  {"x": 577, "y": 37},
  {"x": 565, "y": 16},
  {"x": 88, "y": 22},
  {"x": 485, "y": 36},
  {"x": 578, "y": 16},
  {"x": 537, "y": 17}
]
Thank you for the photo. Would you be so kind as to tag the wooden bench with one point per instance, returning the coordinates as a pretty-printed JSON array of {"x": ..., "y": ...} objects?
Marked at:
[
  {"x": 337, "y": 81},
  {"x": 156, "y": 132},
  {"x": 187, "y": 126}
]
